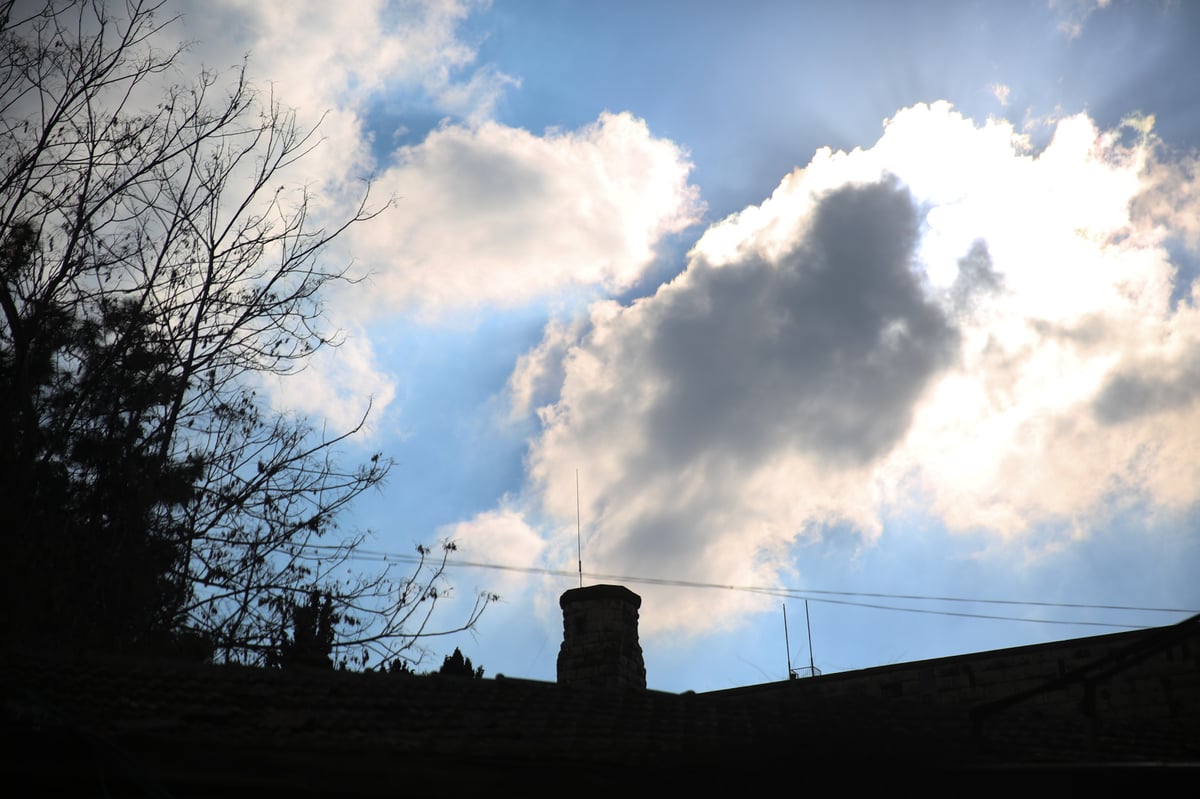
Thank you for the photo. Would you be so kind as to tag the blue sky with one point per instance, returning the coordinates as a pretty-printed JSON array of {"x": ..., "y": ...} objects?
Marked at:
[{"x": 873, "y": 301}]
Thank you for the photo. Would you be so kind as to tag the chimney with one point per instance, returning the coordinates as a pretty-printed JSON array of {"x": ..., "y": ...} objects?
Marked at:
[{"x": 600, "y": 640}]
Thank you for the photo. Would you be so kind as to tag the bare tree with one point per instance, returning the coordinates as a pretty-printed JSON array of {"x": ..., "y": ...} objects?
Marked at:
[{"x": 155, "y": 264}]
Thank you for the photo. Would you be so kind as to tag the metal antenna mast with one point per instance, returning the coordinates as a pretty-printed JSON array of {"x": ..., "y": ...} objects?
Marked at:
[
  {"x": 812, "y": 668},
  {"x": 578, "y": 533},
  {"x": 787, "y": 645}
]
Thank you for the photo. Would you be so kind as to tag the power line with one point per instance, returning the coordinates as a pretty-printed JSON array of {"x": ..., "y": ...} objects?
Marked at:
[{"x": 813, "y": 594}]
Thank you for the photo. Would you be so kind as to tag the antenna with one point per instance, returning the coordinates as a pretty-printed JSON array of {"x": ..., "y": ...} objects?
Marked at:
[
  {"x": 786, "y": 644},
  {"x": 578, "y": 533},
  {"x": 812, "y": 669}
]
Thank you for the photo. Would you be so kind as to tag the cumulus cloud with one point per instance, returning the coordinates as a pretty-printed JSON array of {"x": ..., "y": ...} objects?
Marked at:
[
  {"x": 825, "y": 346},
  {"x": 976, "y": 278},
  {"x": 949, "y": 320},
  {"x": 799, "y": 364},
  {"x": 500, "y": 536},
  {"x": 485, "y": 214},
  {"x": 1170, "y": 197},
  {"x": 331, "y": 66},
  {"x": 539, "y": 373},
  {"x": 334, "y": 65},
  {"x": 498, "y": 215},
  {"x": 319, "y": 58},
  {"x": 338, "y": 385}
]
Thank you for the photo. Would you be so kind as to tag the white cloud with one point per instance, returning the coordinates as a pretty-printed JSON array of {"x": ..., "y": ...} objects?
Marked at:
[
  {"x": 988, "y": 336},
  {"x": 319, "y": 57},
  {"x": 1072, "y": 14},
  {"x": 499, "y": 215},
  {"x": 331, "y": 64},
  {"x": 1170, "y": 198},
  {"x": 538, "y": 373},
  {"x": 338, "y": 385},
  {"x": 485, "y": 214},
  {"x": 500, "y": 537}
]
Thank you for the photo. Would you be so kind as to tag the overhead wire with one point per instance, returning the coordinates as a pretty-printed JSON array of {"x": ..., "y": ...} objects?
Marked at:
[{"x": 811, "y": 594}]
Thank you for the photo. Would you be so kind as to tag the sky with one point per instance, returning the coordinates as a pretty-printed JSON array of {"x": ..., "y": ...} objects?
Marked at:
[{"x": 873, "y": 307}]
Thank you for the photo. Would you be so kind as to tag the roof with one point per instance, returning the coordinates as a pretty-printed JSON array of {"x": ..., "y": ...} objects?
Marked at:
[
  {"x": 159, "y": 727},
  {"x": 162, "y": 723}
]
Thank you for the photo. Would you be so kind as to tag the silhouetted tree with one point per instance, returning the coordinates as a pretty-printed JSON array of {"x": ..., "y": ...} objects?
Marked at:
[
  {"x": 90, "y": 497},
  {"x": 456, "y": 665},
  {"x": 154, "y": 264},
  {"x": 397, "y": 666},
  {"x": 311, "y": 641}
]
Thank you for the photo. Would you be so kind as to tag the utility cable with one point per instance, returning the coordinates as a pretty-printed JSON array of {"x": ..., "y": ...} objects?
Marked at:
[{"x": 815, "y": 595}]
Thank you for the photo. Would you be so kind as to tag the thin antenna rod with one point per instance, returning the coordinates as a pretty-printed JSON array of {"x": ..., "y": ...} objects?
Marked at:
[
  {"x": 812, "y": 668},
  {"x": 786, "y": 643},
  {"x": 578, "y": 530}
]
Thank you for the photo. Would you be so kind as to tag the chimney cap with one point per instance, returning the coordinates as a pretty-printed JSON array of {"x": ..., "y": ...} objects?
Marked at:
[{"x": 592, "y": 592}]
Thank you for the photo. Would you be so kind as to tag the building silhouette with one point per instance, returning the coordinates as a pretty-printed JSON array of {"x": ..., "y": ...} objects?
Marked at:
[{"x": 1119, "y": 711}]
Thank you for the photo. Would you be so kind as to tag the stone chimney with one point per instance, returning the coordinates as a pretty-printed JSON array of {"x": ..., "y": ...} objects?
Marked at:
[{"x": 600, "y": 639}]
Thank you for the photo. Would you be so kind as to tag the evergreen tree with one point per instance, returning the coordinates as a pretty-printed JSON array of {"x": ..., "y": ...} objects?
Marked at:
[{"x": 456, "y": 665}]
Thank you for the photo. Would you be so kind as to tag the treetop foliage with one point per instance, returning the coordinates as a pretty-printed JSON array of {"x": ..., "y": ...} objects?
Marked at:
[{"x": 456, "y": 665}]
